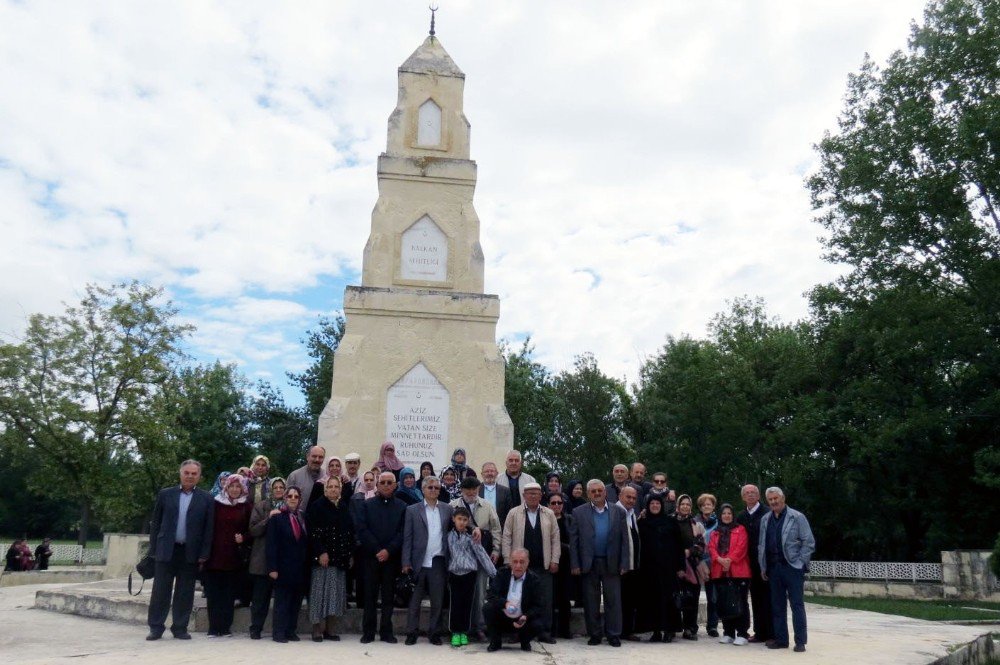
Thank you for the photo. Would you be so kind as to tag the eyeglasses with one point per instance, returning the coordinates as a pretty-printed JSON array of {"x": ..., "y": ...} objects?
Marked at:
[
  {"x": 659, "y": 481},
  {"x": 432, "y": 487},
  {"x": 387, "y": 482},
  {"x": 555, "y": 503}
]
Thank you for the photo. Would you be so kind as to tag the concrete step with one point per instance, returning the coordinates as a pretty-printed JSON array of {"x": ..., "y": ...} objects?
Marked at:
[
  {"x": 68, "y": 575},
  {"x": 109, "y": 599}
]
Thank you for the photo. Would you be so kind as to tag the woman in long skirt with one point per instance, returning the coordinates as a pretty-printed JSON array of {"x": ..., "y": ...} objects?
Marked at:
[{"x": 331, "y": 542}]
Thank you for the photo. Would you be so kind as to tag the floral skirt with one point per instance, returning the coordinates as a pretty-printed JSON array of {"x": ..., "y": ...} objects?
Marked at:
[{"x": 327, "y": 593}]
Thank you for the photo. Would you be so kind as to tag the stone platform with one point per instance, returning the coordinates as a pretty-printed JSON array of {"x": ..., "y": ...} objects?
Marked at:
[
  {"x": 54, "y": 575},
  {"x": 836, "y": 637}
]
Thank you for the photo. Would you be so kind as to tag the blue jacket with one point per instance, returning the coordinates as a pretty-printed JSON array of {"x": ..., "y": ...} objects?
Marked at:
[
  {"x": 285, "y": 555},
  {"x": 797, "y": 542}
]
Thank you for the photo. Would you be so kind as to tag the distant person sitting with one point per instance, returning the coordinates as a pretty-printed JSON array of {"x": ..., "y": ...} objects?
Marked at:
[
  {"x": 514, "y": 602},
  {"x": 19, "y": 557},
  {"x": 42, "y": 554}
]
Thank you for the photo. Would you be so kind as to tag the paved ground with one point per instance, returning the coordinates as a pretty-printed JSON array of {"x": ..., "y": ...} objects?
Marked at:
[{"x": 841, "y": 637}]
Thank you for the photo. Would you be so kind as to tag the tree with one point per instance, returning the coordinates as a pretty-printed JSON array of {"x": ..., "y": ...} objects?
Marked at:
[
  {"x": 78, "y": 390},
  {"x": 279, "y": 431},
  {"x": 316, "y": 382},
  {"x": 590, "y": 411},
  {"x": 529, "y": 397},
  {"x": 910, "y": 339}
]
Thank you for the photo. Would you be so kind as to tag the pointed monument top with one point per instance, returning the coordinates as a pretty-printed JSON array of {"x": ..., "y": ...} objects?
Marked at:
[
  {"x": 431, "y": 58},
  {"x": 433, "y": 11}
]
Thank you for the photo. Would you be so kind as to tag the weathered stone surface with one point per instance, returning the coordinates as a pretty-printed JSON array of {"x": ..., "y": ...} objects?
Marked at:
[
  {"x": 60, "y": 575},
  {"x": 421, "y": 302}
]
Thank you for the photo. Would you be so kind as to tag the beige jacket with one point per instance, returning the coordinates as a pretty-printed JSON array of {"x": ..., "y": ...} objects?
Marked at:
[
  {"x": 486, "y": 518},
  {"x": 513, "y": 533}
]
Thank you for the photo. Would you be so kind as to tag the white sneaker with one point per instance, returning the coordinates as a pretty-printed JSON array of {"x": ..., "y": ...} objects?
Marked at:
[
  {"x": 740, "y": 641},
  {"x": 725, "y": 639}
]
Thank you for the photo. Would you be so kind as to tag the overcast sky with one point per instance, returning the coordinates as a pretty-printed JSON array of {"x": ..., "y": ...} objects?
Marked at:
[{"x": 640, "y": 163}]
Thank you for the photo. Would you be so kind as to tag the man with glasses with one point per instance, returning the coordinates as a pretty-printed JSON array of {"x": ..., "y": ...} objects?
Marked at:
[
  {"x": 599, "y": 550},
  {"x": 425, "y": 550},
  {"x": 380, "y": 531}
]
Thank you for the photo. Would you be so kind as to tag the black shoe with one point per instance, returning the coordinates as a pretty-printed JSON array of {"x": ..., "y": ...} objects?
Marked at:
[
  {"x": 594, "y": 641},
  {"x": 777, "y": 645},
  {"x": 254, "y": 634},
  {"x": 411, "y": 639},
  {"x": 525, "y": 646},
  {"x": 493, "y": 646},
  {"x": 631, "y": 637},
  {"x": 657, "y": 636},
  {"x": 153, "y": 636},
  {"x": 614, "y": 641},
  {"x": 688, "y": 635},
  {"x": 712, "y": 632},
  {"x": 799, "y": 648},
  {"x": 545, "y": 638},
  {"x": 669, "y": 637},
  {"x": 281, "y": 640},
  {"x": 292, "y": 637},
  {"x": 332, "y": 638},
  {"x": 391, "y": 639},
  {"x": 182, "y": 636},
  {"x": 367, "y": 639},
  {"x": 317, "y": 638},
  {"x": 435, "y": 639}
]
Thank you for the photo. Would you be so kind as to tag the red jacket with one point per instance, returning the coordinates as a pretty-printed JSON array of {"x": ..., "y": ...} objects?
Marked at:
[{"x": 738, "y": 540}]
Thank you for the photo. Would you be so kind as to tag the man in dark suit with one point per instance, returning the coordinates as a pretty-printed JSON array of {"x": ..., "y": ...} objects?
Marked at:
[
  {"x": 599, "y": 550},
  {"x": 380, "y": 531},
  {"x": 180, "y": 541},
  {"x": 513, "y": 602},
  {"x": 425, "y": 550},
  {"x": 496, "y": 494},
  {"x": 760, "y": 590}
]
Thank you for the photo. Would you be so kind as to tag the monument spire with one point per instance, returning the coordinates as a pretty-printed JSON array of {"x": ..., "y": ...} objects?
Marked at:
[{"x": 433, "y": 10}]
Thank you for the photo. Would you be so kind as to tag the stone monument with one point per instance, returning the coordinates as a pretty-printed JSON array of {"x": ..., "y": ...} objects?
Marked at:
[{"x": 418, "y": 364}]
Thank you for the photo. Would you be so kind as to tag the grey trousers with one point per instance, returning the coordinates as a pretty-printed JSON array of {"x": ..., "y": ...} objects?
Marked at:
[
  {"x": 430, "y": 582},
  {"x": 597, "y": 582},
  {"x": 478, "y": 598}
]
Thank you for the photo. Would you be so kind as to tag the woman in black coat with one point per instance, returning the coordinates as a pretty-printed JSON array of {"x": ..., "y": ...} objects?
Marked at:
[
  {"x": 661, "y": 558},
  {"x": 287, "y": 549}
]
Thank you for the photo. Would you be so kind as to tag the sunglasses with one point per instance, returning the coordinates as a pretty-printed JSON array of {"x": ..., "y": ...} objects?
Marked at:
[
  {"x": 659, "y": 482},
  {"x": 555, "y": 503}
]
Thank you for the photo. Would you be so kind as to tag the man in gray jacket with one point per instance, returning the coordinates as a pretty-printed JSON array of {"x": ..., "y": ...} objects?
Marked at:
[
  {"x": 599, "y": 550},
  {"x": 785, "y": 549},
  {"x": 425, "y": 552}
]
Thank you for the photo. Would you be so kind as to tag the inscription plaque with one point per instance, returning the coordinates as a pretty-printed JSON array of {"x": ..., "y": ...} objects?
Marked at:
[
  {"x": 424, "y": 252},
  {"x": 416, "y": 418}
]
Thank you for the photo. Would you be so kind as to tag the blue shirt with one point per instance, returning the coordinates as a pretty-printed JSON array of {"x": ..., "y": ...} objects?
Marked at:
[
  {"x": 490, "y": 494},
  {"x": 180, "y": 537},
  {"x": 775, "y": 555},
  {"x": 602, "y": 527}
]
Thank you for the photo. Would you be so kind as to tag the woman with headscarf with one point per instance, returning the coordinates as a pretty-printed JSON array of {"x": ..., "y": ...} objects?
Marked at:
[
  {"x": 577, "y": 495},
  {"x": 408, "y": 492},
  {"x": 334, "y": 469},
  {"x": 260, "y": 483},
  {"x": 263, "y": 511},
  {"x": 458, "y": 463},
  {"x": 553, "y": 487},
  {"x": 661, "y": 558},
  {"x": 217, "y": 486},
  {"x": 728, "y": 549},
  {"x": 688, "y": 587},
  {"x": 387, "y": 460},
  {"x": 426, "y": 470},
  {"x": 450, "y": 485},
  {"x": 230, "y": 534},
  {"x": 331, "y": 545},
  {"x": 287, "y": 548}
]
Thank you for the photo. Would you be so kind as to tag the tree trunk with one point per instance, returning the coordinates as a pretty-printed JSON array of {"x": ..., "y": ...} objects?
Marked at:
[{"x": 84, "y": 524}]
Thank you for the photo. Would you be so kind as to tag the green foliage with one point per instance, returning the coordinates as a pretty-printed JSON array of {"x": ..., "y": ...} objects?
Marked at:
[
  {"x": 529, "y": 396},
  {"x": 79, "y": 392},
  {"x": 316, "y": 381},
  {"x": 279, "y": 431}
]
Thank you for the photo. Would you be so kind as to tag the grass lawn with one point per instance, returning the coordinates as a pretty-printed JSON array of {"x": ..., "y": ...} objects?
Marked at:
[{"x": 929, "y": 610}]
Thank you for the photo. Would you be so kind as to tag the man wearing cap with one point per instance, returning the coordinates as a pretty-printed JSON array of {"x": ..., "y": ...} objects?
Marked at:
[
  {"x": 352, "y": 464},
  {"x": 485, "y": 517},
  {"x": 533, "y": 527}
]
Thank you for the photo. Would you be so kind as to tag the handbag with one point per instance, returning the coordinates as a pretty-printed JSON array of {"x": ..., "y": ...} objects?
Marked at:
[
  {"x": 684, "y": 599},
  {"x": 403, "y": 591},
  {"x": 146, "y": 568},
  {"x": 727, "y": 598}
]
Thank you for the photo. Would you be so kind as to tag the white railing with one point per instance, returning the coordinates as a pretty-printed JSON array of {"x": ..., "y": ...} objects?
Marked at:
[
  {"x": 61, "y": 553},
  {"x": 876, "y": 570}
]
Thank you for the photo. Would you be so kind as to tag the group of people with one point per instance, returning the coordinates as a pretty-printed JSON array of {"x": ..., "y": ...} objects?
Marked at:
[
  {"x": 20, "y": 557},
  {"x": 513, "y": 554}
]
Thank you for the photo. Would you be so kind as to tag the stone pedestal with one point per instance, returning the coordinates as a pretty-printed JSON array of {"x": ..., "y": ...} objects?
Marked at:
[{"x": 123, "y": 551}]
